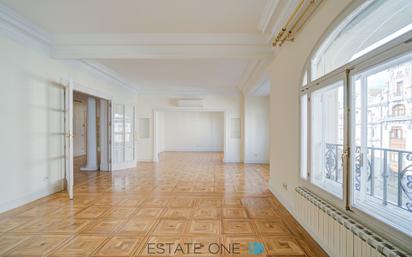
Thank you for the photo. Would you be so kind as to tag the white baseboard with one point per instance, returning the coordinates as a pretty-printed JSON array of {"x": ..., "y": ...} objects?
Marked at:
[
  {"x": 51, "y": 189},
  {"x": 257, "y": 161},
  {"x": 145, "y": 160},
  {"x": 227, "y": 160},
  {"x": 193, "y": 149}
]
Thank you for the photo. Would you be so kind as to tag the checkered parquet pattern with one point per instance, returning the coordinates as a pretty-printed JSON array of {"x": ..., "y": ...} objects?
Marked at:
[{"x": 186, "y": 197}]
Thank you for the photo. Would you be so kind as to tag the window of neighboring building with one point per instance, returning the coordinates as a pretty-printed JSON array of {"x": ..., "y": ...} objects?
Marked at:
[
  {"x": 398, "y": 88},
  {"x": 398, "y": 110},
  {"x": 396, "y": 133}
]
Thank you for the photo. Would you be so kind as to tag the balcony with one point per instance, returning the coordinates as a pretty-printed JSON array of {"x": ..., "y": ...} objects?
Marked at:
[{"x": 388, "y": 173}]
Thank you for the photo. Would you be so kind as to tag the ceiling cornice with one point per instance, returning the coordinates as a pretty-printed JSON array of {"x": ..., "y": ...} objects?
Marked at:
[
  {"x": 285, "y": 11},
  {"x": 26, "y": 33},
  {"x": 256, "y": 77},
  {"x": 111, "y": 74},
  {"x": 267, "y": 14},
  {"x": 160, "y": 46},
  {"x": 23, "y": 31},
  {"x": 160, "y": 39},
  {"x": 80, "y": 47},
  {"x": 160, "y": 51}
]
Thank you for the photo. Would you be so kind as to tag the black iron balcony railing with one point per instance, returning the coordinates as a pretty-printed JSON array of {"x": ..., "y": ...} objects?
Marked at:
[{"x": 388, "y": 173}]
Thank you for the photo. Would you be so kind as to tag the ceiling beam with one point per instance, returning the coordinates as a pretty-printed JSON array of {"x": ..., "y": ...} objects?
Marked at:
[
  {"x": 159, "y": 52},
  {"x": 160, "y": 46}
]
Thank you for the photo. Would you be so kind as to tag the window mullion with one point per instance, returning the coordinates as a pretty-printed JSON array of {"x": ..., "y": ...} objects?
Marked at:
[{"x": 346, "y": 139}]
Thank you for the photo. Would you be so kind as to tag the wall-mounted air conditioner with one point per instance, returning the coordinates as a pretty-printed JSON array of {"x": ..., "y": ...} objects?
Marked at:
[{"x": 189, "y": 102}]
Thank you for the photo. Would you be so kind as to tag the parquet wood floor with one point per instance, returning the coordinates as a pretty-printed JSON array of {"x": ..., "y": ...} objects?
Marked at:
[{"x": 185, "y": 198}]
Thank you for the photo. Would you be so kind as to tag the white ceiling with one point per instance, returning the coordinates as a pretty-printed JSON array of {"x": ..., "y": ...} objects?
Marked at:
[
  {"x": 160, "y": 45},
  {"x": 142, "y": 16},
  {"x": 219, "y": 75}
]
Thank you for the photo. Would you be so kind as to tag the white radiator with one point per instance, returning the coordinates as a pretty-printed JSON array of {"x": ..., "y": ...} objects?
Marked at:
[{"x": 338, "y": 234}]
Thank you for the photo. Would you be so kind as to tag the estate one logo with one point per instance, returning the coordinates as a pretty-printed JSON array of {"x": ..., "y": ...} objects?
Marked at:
[
  {"x": 255, "y": 248},
  {"x": 191, "y": 248}
]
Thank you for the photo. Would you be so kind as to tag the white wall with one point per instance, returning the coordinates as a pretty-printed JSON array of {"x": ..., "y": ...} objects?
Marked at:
[
  {"x": 286, "y": 73},
  {"x": 192, "y": 131},
  {"x": 31, "y": 114},
  {"x": 257, "y": 139},
  {"x": 230, "y": 104}
]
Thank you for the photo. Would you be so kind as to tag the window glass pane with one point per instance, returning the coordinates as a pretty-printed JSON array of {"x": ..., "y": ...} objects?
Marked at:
[
  {"x": 303, "y": 136},
  {"x": 327, "y": 138},
  {"x": 373, "y": 24},
  {"x": 382, "y": 142}
]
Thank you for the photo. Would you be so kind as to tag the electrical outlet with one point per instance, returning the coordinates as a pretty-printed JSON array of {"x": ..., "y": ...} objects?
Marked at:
[{"x": 285, "y": 186}]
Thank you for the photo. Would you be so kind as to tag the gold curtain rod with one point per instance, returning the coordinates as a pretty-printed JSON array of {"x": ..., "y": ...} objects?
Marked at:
[{"x": 296, "y": 17}]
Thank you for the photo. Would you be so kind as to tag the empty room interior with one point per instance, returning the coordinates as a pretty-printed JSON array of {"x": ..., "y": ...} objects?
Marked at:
[{"x": 206, "y": 128}]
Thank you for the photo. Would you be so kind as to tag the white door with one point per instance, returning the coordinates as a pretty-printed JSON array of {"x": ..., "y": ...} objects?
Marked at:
[
  {"x": 124, "y": 150},
  {"x": 68, "y": 120}
]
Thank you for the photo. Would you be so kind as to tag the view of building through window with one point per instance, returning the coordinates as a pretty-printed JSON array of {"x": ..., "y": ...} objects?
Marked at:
[{"x": 382, "y": 140}]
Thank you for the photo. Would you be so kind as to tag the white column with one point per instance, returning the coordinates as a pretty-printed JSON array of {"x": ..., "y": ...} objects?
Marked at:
[
  {"x": 91, "y": 135},
  {"x": 104, "y": 154}
]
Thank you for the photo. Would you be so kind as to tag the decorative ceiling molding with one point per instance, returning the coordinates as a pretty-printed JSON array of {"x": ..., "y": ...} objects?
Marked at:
[
  {"x": 8, "y": 16},
  {"x": 257, "y": 77},
  {"x": 267, "y": 14},
  {"x": 110, "y": 74},
  {"x": 263, "y": 87},
  {"x": 80, "y": 47},
  {"x": 160, "y": 39},
  {"x": 247, "y": 73},
  {"x": 27, "y": 34},
  {"x": 285, "y": 11},
  {"x": 160, "y": 51}
]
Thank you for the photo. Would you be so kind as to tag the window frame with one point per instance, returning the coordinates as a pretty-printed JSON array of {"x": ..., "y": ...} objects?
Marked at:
[
  {"x": 384, "y": 53},
  {"x": 311, "y": 87}
]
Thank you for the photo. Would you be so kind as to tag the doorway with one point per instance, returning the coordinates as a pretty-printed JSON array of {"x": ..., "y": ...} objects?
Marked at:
[
  {"x": 90, "y": 136},
  {"x": 87, "y": 144}
]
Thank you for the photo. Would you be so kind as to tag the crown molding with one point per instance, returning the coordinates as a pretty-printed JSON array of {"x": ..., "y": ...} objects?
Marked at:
[
  {"x": 160, "y": 51},
  {"x": 80, "y": 47},
  {"x": 285, "y": 11},
  {"x": 257, "y": 76},
  {"x": 160, "y": 39},
  {"x": 247, "y": 73},
  {"x": 267, "y": 14},
  {"x": 111, "y": 75},
  {"x": 29, "y": 35},
  {"x": 23, "y": 31}
]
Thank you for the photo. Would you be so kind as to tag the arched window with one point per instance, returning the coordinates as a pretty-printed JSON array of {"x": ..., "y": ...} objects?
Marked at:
[
  {"x": 371, "y": 25},
  {"x": 398, "y": 110},
  {"x": 350, "y": 93}
]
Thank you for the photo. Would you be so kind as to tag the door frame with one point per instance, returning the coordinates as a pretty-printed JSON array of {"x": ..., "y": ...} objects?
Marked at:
[{"x": 69, "y": 87}]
